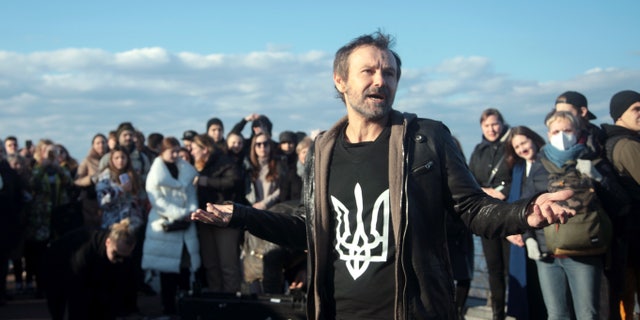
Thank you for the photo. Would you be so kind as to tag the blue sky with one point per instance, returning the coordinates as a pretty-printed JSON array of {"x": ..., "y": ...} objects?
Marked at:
[{"x": 70, "y": 69}]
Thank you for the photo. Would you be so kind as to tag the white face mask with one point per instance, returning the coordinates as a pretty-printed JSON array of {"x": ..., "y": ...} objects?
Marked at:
[{"x": 563, "y": 140}]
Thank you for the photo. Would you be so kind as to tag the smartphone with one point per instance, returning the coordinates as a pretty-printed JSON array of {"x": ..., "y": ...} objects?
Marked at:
[{"x": 124, "y": 178}]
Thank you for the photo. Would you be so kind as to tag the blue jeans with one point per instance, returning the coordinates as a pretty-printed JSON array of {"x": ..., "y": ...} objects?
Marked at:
[{"x": 578, "y": 276}]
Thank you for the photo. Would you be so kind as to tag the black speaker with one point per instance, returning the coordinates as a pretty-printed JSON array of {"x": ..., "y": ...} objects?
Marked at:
[{"x": 221, "y": 306}]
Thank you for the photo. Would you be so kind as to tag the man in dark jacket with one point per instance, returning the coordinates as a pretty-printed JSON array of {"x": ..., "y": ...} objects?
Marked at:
[
  {"x": 90, "y": 273},
  {"x": 377, "y": 188},
  {"x": 623, "y": 151},
  {"x": 10, "y": 206}
]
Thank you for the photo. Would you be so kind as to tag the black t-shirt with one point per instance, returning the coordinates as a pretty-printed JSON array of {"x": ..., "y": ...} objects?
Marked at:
[{"x": 364, "y": 247}]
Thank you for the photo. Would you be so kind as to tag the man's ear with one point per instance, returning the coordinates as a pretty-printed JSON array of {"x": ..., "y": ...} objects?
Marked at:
[
  {"x": 339, "y": 83},
  {"x": 583, "y": 112}
]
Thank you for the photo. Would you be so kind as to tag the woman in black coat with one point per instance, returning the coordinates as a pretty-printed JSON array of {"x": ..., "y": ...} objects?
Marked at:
[{"x": 218, "y": 181}]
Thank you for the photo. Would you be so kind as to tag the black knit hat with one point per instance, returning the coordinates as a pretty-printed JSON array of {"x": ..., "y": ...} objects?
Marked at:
[
  {"x": 621, "y": 101},
  {"x": 213, "y": 121},
  {"x": 577, "y": 100},
  {"x": 288, "y": 136}
]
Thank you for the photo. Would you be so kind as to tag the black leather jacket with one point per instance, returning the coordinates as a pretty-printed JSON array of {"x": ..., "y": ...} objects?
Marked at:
[{"x": 427, "y": 175}]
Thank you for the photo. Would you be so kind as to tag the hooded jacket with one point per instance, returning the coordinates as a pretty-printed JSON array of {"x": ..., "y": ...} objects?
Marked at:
[{"x": 428, "y": 175}]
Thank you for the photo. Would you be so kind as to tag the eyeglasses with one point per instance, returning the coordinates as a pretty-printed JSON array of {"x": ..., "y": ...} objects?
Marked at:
[{"x": 262, "y": 144}]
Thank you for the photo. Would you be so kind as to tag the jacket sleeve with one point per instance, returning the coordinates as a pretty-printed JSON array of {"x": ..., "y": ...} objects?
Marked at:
[
  {"x": 484, "y": 215},
  {"x": 626, "y": 153},
  {"x": 238, "y": 127},
  {"x": 83, "y": 178},
  {"x": 227, "y": 180},
  {"x": 281, "y": 228}
]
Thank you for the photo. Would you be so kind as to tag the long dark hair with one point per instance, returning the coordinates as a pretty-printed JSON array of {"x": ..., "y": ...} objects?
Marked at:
[
  {"x": 128, "y": 169},
  {"x": 510, "y": 154},
  {"x": 272, "y": 174}
]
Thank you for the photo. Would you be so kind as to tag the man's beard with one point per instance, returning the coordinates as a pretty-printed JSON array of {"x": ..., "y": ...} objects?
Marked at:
[{"x": 363, "y": 107}]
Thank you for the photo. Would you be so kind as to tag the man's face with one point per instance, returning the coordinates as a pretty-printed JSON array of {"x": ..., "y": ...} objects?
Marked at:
[
  {"x": 630, "y": 119},
  {"x": 287, "y": 147},
  {"x": 126, "y": 138},
  {"x": 215, "y": 132},
  {"x": 11, "y": 147},
  {"x": 118, "y": 250},
  {"x": 491, "y": 128},
  {"x": 187, "y": 144},
  {"x": 372, "y": 81}
]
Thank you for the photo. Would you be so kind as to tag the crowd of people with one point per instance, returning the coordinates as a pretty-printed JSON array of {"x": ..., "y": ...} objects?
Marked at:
[
  {"x": 55, "y": 203},
  {"x": 373, "y": 218},
  {"x": 585, "y": 269}
]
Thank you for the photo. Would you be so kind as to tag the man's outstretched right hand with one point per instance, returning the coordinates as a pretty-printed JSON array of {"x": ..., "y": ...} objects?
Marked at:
[{"x": 216, "y": 214}]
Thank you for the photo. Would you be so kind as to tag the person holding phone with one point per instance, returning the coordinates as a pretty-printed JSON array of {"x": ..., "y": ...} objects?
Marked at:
[
  {"x": 119, "y": 197},
  {"x": 118, "y": 191}
]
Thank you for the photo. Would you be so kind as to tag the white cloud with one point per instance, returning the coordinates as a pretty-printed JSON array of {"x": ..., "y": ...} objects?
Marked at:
[
  {"x": 142, "y": 58},
  {"x": 69, "y": 95}
]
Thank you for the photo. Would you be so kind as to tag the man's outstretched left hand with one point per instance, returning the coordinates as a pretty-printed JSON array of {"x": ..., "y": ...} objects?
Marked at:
[{"x": 545, "y": 210}]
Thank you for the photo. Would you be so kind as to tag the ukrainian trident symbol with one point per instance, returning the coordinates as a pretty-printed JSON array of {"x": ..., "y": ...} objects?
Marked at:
[{"x": 353, "y": 243}]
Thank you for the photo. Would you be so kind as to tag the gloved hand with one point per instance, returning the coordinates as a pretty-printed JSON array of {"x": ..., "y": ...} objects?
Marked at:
[
  {"x": 533, "y": 251},
  {"x": 586, "y": 168}
]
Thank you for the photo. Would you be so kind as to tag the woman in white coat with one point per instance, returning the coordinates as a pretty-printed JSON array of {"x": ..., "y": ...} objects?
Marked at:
[{"x": 175, "y": 253}]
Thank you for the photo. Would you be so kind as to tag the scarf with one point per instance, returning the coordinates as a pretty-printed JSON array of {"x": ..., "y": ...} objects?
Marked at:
[
  {"x": 560, "y": 157},
  {"x": 517, "y": 175}
]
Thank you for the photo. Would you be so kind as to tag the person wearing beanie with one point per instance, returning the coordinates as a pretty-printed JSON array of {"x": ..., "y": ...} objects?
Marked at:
[
  {"x": 215, "y": 130},
  {"x": 288, "y": 141},
  {"x": 287, "y": 149},
  {"x": 623, "y": 151},
  {"x": 576, "y": 103}
]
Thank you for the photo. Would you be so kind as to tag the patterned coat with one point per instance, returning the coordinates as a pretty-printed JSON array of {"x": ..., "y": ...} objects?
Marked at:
[{"x": 116, "y": 204}]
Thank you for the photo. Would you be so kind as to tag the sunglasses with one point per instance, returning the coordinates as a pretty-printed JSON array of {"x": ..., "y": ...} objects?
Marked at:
[{"x": 262, "y": 144}]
